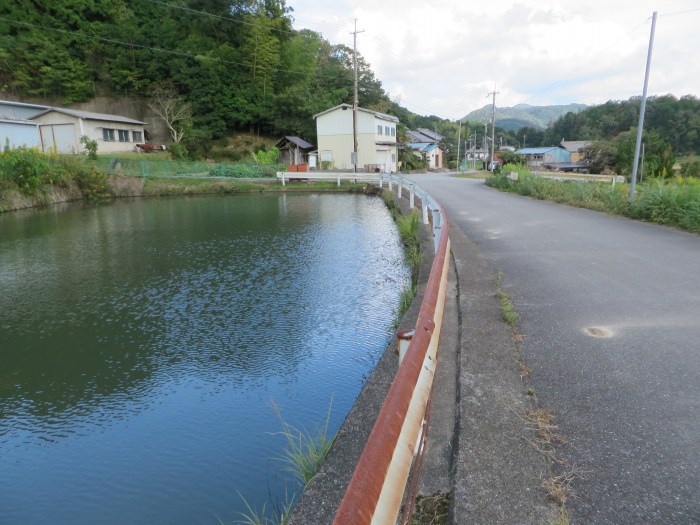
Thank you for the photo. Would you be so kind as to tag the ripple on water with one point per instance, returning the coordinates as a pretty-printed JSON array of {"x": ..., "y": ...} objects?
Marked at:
[{"x": 146, "y": 366}]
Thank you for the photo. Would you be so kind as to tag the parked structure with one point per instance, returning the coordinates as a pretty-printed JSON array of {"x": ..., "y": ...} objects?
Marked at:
[
  {"x": 376, "y": 133},
  {"x": 575, "y": 147},
  {"x": 293, "y": 150},
  {"x": 61, "y": 130},
  {"x": 547, "y": 156},
  {"x": 426, "y": 144}
]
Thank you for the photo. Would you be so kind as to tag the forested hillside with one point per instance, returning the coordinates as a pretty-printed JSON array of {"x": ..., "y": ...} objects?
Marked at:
[
  {"x": 676, "y": 121},
  {"x": 238, "y": 63}
]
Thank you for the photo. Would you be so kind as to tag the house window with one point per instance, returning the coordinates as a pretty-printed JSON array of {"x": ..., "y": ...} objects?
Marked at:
[
  {"x": 108, "y": 134},
  {"x": 393, "y": 132},
  {"x": 123, "y": 135},
  {"x": 393, "y": 157},
  {"x": 386, "y": 130},
  {"x": 138, "y": 136},
  {"x": 379, "y": 129}
]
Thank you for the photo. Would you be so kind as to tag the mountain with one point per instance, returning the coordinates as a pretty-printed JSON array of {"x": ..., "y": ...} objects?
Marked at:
[{"x": 523, "y": 115}]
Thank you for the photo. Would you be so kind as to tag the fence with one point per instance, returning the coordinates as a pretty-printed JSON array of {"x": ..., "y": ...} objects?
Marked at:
[{"x": 176, "y": 168}]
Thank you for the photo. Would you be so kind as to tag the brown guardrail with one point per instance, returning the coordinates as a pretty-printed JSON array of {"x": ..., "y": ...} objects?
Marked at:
[{"x": 378, "y": 484}]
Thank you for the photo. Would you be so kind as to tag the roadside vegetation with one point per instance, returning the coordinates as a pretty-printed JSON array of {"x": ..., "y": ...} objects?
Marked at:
[
  {"x": 671, "y": 201},
  {"x": 409, "y": 231},
  {"x": 29, "y": 175}
]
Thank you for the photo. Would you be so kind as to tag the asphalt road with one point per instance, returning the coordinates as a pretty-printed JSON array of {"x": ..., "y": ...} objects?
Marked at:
[{"x": 610, "y": 313}]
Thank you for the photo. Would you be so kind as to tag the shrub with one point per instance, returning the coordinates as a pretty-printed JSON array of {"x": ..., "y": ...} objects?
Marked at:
[
  {"x": 246, "y": 170},
  {"x": 29, "y": 169},
  {"x": 89, "y": 147}
]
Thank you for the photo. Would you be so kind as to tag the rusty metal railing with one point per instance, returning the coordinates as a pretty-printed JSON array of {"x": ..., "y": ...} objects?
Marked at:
[{"x": 377, "y": 486}]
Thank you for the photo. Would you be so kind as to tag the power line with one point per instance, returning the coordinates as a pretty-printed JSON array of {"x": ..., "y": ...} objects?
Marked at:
[{"x": 161, "y": 50}]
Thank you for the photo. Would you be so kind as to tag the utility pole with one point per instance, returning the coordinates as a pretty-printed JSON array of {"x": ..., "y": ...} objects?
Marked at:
[
  {"x": 642, "y": 108},
  {"x": 493, "y": 127},
  {"x": 459, "y": 142},
  {"x": 486, "y": 143},
  {"x": 355, "y": 102}
]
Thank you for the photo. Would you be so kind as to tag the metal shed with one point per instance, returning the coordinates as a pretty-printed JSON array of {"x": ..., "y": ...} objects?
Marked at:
[
  {"x": 293, "y": 150},
  {"x": 546, "y": 155}
]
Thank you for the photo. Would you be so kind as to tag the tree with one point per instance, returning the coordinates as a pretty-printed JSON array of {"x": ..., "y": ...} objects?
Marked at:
[
  {"x": 600, "y": 155},
  {"x": 171, "y": 108}
]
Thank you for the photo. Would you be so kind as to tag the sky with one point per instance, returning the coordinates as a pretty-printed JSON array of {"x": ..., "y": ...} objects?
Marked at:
[{"x": 443, "y": 57}]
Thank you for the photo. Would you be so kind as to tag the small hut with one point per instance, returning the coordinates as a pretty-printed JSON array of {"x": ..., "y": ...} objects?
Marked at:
[{"x": 293, "y": 150}]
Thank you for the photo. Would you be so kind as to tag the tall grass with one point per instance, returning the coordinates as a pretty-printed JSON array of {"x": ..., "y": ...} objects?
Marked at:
[
  {"x": 30, "y": 171},
  {"x": 303, "y": 456},
  {"x": 674, "y": 202},
  {"x": 305, "y": 451}
]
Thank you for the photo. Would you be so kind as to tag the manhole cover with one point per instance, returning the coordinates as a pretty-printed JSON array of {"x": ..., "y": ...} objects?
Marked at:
[{"x": 596, "y": 331}]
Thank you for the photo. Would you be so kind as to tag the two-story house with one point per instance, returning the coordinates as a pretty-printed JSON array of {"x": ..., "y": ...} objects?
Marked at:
[{"x": 376, "y": 139}]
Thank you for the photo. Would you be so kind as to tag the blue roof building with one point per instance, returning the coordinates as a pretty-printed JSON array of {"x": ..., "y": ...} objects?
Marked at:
[{"x": 544, "y": 156}]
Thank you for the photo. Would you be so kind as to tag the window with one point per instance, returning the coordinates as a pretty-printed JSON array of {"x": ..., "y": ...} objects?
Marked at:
[
  {"x": 386, "y": 130},
  {"x": 123, "y": 135},
  {"x": 108, "y": 134},
  {"x": 138, "y": 136},
  {"x": 379, "y": 129},
  {"x": 393, "y": 132}
]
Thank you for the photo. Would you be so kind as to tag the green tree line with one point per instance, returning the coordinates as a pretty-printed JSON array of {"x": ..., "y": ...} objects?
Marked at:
[{"x": 238, "y": 63}]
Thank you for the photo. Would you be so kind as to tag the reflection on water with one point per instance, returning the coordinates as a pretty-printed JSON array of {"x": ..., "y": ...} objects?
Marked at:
[{"x": 142, "y": 344}]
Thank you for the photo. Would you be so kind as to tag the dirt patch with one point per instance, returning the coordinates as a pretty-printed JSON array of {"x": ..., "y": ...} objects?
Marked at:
[
  {"x": 125, "y": 186},
  {"x": 596, "y": 331},
  {"x": 431, "y": 510}
]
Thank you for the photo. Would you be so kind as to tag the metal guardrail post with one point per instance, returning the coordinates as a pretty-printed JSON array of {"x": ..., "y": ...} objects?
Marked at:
[
  {"x": 399, "y": 191},
  {"x": 404, "y": 337},
  {"x": 412, "y": 198},
  {"x": 424, "y": 206}
]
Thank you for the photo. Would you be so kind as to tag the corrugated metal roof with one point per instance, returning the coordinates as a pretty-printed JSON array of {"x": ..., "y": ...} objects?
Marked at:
[
  {"x": 431, "y": 134},
  {"x": 536, "y": 151},
  {"x": 18, "y": 121},
  {"x": 22, "y": 104},
  {"x": 422, "y": 146},
  {"x": 377, "y": 114},
  {"x": 574, "y": 146},
  {"x": 89, "y": 115},
  {"x": 296, "y": 140}
]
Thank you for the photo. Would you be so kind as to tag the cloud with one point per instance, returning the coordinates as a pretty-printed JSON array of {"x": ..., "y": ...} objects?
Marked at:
[{"x": 442, "y": 57}]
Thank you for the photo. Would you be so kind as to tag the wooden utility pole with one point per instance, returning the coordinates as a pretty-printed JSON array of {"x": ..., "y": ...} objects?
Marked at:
[{"x": 355, "y": 102}]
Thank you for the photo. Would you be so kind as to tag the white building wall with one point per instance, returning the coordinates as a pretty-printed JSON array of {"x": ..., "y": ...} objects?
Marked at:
[
  {"x": 335, "y": 135},
  {"x": 93, "y": 129}
]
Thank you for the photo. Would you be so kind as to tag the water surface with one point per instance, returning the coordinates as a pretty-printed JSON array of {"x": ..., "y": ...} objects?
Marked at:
[{"x": 145, "y": 344}]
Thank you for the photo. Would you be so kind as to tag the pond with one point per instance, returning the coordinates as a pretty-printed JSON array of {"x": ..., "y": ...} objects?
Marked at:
[{"x": 150, "y": 349}]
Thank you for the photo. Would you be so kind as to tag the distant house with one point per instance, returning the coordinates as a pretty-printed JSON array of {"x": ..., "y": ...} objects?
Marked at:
[
  {"x": 547, "y": 156},
  {"x": 376, "y": 137},
  {"x": 575, "y": 147},
  {"x": 62, "y": 128},
  {"x": 426, "y": 144},
  {"x": 293, "y": 150}
]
